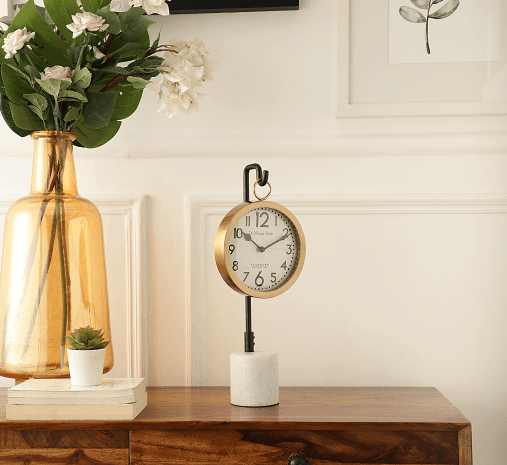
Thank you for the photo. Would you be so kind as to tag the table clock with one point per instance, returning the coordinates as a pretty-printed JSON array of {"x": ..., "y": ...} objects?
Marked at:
[{"x": 259, "y": 251}]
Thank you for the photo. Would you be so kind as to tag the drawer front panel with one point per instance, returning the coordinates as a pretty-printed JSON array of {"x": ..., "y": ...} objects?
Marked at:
[
  {"x": 260, "y": 447},
  {"x": 34, "y": 439},
  {"x": 65, "y": 457},
  {"x": 64, "y": 447}
]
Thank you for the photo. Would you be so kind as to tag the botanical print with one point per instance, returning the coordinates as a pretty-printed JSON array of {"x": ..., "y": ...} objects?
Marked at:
[
  {"x": 414, "y": 16},
  {"x": 444, "y": 31}
]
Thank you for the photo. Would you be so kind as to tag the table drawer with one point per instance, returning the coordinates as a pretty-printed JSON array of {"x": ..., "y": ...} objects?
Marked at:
[
  {"x": 274, "y": 447},
  {"x": 64, "y": 447}
]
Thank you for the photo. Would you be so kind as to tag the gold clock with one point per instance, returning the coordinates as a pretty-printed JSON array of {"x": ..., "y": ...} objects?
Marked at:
[{"x": 260, "y": 249}]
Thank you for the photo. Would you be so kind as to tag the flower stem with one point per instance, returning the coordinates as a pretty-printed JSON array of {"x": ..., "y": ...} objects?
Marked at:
[
  {"x": 428, "y": 51},
  {"x": 58, "y": 216}
]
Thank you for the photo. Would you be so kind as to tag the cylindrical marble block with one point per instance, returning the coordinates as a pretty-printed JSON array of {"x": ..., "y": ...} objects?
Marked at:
[{"x": 254, "y": 379}]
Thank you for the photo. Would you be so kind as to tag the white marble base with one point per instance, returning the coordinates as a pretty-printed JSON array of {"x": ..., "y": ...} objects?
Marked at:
[{"x": 254, "y": 379}]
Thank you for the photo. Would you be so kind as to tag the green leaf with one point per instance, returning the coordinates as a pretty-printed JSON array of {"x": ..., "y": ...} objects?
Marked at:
[
  {"x": 128, "y": 51},
  {"x": 72, "y": 94},
  {"x": 82, "y": 77},
  {"x": 99, "y": 108},
  {"x": 134, "y": 24},
  {"x": 119, "y": 42},
  {"x": 24, "y": 118},
  {"x": 20, "y": 73},
  {"x": 127, "y": 102},
  {"x": 137, "y": 82},
  {"x": 72, "y": 114},
  {"x": 412, "y": 15},
  {"x": 447, "y": 10},
  {"x": 93, "y": 5},
  {"x": 51, "y": 86},
  {"x": 6, "y": 113},
  {"x": 61, "y": 12},
  {"x": 37, "y": 100},
  {"x": 37, "y": 111},
  {"x": 423, "y": 4},
  {"x": 111, "y": 18},
  {"x": 117, "y": 70},
  {"x": 15, "y": 88},
  {"x": 31, "y": 71},
  {"x": 51, "y": 46},
  {"x": 91, "y": 138}
]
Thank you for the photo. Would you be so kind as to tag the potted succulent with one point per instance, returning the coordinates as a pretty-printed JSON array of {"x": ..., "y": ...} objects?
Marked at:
[{"x": 86, "y": 356}]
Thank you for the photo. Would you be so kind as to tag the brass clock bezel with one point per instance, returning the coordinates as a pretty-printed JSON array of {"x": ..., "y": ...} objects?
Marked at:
[{"x": 222, "y": 241}]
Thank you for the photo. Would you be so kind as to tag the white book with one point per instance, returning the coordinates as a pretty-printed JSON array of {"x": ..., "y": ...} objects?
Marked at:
[
  {"x": 76, "y": 411},
  {"x": 60, "y": 391}
]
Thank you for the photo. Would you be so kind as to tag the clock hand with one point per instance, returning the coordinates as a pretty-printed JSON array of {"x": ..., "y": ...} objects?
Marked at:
[
  {"x": 285, "y": 236},
  {"x": 248, "y": 237}
]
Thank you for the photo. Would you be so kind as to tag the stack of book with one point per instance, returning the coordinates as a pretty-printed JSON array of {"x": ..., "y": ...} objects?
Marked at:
[{"x": 57, "y": 399}]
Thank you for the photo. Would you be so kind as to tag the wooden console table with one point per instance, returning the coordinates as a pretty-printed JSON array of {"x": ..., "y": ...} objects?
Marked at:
[{"x": 357, "y": 426}]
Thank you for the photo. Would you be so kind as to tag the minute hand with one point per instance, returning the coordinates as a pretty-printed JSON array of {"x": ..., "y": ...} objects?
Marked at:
[{"x": 285, "y": 236}]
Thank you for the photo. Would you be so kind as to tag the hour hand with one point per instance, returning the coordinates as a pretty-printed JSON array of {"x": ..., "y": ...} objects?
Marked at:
[{"x": 248, "y": 237}]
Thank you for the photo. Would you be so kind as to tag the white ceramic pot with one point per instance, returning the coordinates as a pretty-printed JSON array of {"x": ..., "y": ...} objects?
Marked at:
[{"x": 86, "y": 366}]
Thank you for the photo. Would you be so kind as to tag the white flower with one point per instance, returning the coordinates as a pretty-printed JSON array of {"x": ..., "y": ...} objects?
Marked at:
[
  {"x": 156, "y": 6},
  {"x": 57, "y": 72},
  {"x": 86, "y": 20},
  {"x": 150, "y": 6},
  {"x": 173, "y": 102},
  {"x": 96, "y": 52},
  {"x": 184, "y": 68},
  {"x": 119, "y": 6},
  {"x": 16, "y": 40}
]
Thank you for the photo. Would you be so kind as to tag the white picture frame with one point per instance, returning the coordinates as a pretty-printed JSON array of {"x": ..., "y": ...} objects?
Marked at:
[{"x": 353, "y": 104}]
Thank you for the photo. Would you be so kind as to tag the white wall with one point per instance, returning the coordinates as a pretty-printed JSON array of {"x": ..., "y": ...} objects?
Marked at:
[{"x": 405, "y": 221}]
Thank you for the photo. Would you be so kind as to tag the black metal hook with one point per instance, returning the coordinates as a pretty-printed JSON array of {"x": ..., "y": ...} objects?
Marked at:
[{"x": 262, "y": 176}]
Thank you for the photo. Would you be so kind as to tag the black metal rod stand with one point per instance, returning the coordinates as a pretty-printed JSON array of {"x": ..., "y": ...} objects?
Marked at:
[{"x": 262, "y": 176}]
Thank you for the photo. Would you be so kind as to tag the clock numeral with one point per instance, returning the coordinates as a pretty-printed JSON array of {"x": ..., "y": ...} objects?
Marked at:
[
  {"x": 289, "y": 252},
  {"x": 259, "y": 280},
  {"x": 238, "y": 233},
  {"x": 247, "y": 273},
  {"x": 232, "y": 249},
  {"x": 276, "y": 220},
  {"x": 273, "y": 277},
  {"x": 247, "y": 221},
  {"x": 286, "y": 232},
  {"x": 235, "y": 266},
  {"x": 284, "y": 265},
  {"x": 259, "y": 216}
]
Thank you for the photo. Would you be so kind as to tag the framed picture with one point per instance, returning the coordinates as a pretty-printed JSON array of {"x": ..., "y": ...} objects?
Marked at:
[
  {"x": 221, "y": 6},
  {"x": 422, "y": 58}
]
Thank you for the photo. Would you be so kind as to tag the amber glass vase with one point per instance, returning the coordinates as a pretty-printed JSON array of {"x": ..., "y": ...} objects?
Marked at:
[{"x": 53, "y": 275}]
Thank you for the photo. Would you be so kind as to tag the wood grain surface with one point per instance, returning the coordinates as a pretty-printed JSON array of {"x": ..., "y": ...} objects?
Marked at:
[
  {"x": 65, "y": 457},
  {"x": 275, "y": 447},
  {"x": 347, "y": 408}
]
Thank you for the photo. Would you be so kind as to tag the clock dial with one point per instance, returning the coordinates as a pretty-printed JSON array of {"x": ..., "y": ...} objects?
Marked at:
[
  {"x": 260, "y": 249},
  {"x": 263, "y": 249}
]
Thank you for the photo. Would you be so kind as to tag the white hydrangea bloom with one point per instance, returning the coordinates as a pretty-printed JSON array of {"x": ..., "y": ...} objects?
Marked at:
[
  {"x": 86, "y": 20},
  {"x": 16, "y": 40},
  {"x": 185, "y": 67},
  {"x": 57, "y": 72}
]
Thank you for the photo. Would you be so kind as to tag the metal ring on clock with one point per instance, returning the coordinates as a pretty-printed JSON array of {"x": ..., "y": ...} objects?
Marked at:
[{"x": 255, "y": 193}]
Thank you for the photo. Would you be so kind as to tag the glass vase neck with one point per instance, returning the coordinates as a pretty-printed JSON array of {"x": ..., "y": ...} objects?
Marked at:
[{"x": 53, "y": 170}]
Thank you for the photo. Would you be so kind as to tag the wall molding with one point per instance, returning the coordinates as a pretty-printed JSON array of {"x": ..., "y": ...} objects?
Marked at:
[
  {"x": 132, "y": 208},
  {"x": 199, "y": 208}
]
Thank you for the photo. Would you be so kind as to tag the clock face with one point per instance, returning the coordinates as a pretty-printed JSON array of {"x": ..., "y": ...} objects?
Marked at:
[
  {"x": 263, "y": 249},
  {"x": 260, "y": 249}
]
